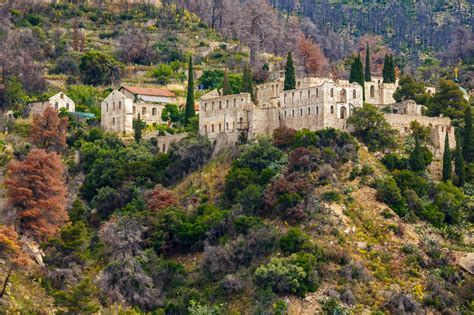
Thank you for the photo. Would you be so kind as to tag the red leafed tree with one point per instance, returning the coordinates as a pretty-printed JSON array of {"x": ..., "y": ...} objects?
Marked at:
[
  {"x": 49, "y": 131},
  {"x": 312, "y": 57},
  {"x": 161, "y": 198},
  {"x": 36, "y": 191}
]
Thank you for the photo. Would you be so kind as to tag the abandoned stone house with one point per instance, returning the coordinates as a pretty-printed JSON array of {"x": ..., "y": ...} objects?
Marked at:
[
  {"x": 315, "y": 104},
  {"x": 121, "y": 106},
  {"x": 57, "y": 101}
]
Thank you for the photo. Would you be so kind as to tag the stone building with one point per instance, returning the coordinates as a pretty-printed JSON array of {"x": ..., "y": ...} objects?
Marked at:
[
  {"x": 57, "y": 101},
  {"x": 405, "y": 112},
  {"x": 379, "y": 93},
  {"x": 121, "y": 106},
  {"x": 315, "y": 104}
]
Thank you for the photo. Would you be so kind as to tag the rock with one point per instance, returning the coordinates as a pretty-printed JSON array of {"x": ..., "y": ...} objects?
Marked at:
[
  {"x": 32, "y": 249},
  {"x": 467, "y": 263}
]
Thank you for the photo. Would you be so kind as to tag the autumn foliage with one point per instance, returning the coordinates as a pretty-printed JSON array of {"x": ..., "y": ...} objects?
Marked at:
[
  {"x": 312, "y": 57},
  {"x": 49, "y": 131},
  {"x": 36, "y": 191},
  {"x": 161, "y": 198}
]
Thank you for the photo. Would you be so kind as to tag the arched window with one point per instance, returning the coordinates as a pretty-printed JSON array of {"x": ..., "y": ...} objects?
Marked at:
[
  {"x": 205, "y": 106},
  {"x": 354, "y": 94},
  {"x": 309, "y": 110},
  {"x": 342, "y": 95},
  {"x": 205, "y": 129},
  {"x": 113, "y": 106},
  {"x": 212, "y": 128},
  {"x": 227, "y": 103},
  {"x": 164, "y": 148},
  {"x": 332, "y": 92},
  {"x": 343, "y": 112},
  {"x": 220, "y": 104},
  {"x": 293, "y": 96},
  {"x": 220, "y": 127},
  {"x": 285, "y": 113},
  {"x": 317, "y": 92},
  {"x": 227, "y": 126},
  {"x": 317, "y": 110},
  {"x": 293, "y": 113},
  {"x": 332, "y": 109},
  {"x": 301, "y": 112},
  {"x": 372, "y": 91},
  {"x": 113, "y": 121},
  {"x": 301, "y": 95}
]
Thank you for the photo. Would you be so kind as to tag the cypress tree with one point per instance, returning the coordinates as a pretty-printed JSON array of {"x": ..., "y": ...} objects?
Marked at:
[
  {"x": 225, "y": 86},
  {"x": 388, "y": 71},
  {"x": 459, "y": 163},
  {"x": 290, "y": 79},
  {"x": 189, "y": 109},
  {"x": 416, "y": 161},
  {"x": 468, "y": 137},
  {"x": 357, "y": 72},
  {"x": 137, "y": 129},
  {"x": 247, "y": 82},
  {"x": 368, "y": 76},
  {"x": 393, "y": 77},
  {"x": 447, "y": 171}
]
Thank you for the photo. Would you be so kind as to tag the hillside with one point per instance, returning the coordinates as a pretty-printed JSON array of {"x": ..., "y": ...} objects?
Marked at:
[{"x": 363, "y": 219}]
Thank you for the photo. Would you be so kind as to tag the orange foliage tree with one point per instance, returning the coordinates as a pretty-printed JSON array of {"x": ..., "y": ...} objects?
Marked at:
[
  {"x": 312, "y": 57},
  {"x": 161, "y": 198},
  {"x": 49, "y": 131},
  {"x": 36, "y": 191}
]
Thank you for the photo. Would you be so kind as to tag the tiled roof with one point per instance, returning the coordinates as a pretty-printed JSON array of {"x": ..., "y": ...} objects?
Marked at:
[{"x": 148, "y": 91}]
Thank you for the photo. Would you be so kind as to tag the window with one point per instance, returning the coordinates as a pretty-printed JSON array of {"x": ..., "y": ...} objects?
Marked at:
[
  {"x": 143, "y": 110},
  {"x": 354, "y": 94},
  {"x": 309, "y": 93},
  {"x": 164, "y": 147},
  {"x": 293, "y": 96},
  {"x": 301, "y": 112},
  {"x": 120, "y": 105},
  {"x": 227, "y": 103},
  {"x": 67, "y": 106},
  {"x": 343, "y": 112},
  {"x": 205, "y": 106},
  {"x": 227, "y": 126},
  {"x": 317, "y": 110},
  {"x": 113, "y": 121},
  {"x": 107, "y": 105},
  {"x": 293, "y": 113},
  {"x": 61, "y": 96},
  {"x": 134, "y": 110},
  {"x": 220, "y": 127},
  {"x": 372, "y": 91},
  {"x": 212, "y": 128},
  {"x": 309, "y": 110},
  {"x": 332, "y": 109},
  {"x": 153, "y": 111},
  {"x": 301, "y": 95},
  {"x": 220, "y": 104},
  {"x": 285, "y": 113},
  {"x": 317, "y": 92},
  {"x": 332, "y": 92},
  {"x": 56, "y": 105},
  {"x": 442, "y": 129},
  {"x": 205, "y": 129}
]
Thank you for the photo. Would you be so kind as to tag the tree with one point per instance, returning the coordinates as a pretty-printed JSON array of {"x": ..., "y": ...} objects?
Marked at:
[
  {"x": 459, "y": 167},
  {"x": 226, "y": 90},
  {"x": 290, "y": 79},
  {"x": 312, "y": 57},
  {"x": 448, "y": 100},
  {"x": 137, "y": 129},
  {"x": 367, "y": 76},
  {"x": 416, "y": 159},
  {"x": 357, "y": 72},
  {"x": 468, "y": 136},
  {"x": 99, "y": 69},
  {"x": 15, "y": 95},
  {"x": 247, "y": 82},
  {"x": 372, "y": 128},
  {"x": 388, "y": 71},
  {"x": 161, "y": 198},
  {"x": 409, "y": 89},
  {"x": 447, "y": 167},
  {"x": 48, "y": 131},
  {"x": 36, "y": 190},
  {"x": 189, "y": 111}
]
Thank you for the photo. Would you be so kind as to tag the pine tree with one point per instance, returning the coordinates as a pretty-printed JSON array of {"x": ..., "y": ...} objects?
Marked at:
[
  {"x": 247, "y": 82},
  {"x": 468, "y": 137},
  {"x": 290, "y": 79},
  {"x": 416, "y": 160},
  {"x": 459, "y": 163},
  {"x": 368, "y": 76},
  {"x": 189, "y": 109},
  {"x": 225, "y": 86},
  {"x": 447, "y": 169},
  {"x": 137, "y": 129}
]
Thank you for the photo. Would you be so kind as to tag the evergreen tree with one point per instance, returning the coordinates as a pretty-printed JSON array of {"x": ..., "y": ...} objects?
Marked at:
[
  {"x": 189, "y": 109},
  {"x": 137, "y": 129},
  {"x": 357, "y": 72},
  {"x": 226, "y": 90},
  {"x": 447, "y": 171},
  {"x": 393, "y": 76},
  {"x": 290, "y": 79},
  {"x": 388, "y": 71},
  {"x": 247, "y": 82},
  {"x": 468, "y": 137},
  {"x": 368, "y": 76},
  {"x": 459, "y": 163},
  {"x": 416, "y": 159}
]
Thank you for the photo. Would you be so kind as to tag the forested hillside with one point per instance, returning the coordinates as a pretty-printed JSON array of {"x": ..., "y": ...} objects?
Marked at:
[{"x": 362, "y": 220}]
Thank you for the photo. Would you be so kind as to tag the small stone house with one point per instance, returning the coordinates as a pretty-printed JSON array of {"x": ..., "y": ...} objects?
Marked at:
[
  {"x": 57, "y": 101},
  {"x": 122, "y": 106}
]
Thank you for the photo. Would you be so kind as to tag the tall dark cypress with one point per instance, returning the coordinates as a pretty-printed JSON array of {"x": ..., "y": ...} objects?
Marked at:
[
  {"x": 357, "y": 72},
  {"x": 447, "y": 168},
  {"x": 247, "y": 82},
  {"x": 137, "y": 129},
  {"x": 459, "y": 167},
  {"x": 416, "y": 160},
  {"x": 387, "y": 70},
  {"x": 290, "y": 78},
  {"x": 393, "y": 77},
  {"x": 368, "y": 76},
  {"x": 225, "y": 86},
  {"x": 468, "y": 137},
  {"x": 189, "y": 109}
]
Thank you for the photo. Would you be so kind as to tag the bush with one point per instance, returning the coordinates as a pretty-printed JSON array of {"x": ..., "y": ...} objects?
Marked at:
[
  {"x": 293, "y": 241},
  {"x": 99, "y": 69},
  {"x": 393, "y": 161},
  {"x": 406, "y": 179},
  {"x": 163, "y": 73},
  {"x": 387, "y": 191}
]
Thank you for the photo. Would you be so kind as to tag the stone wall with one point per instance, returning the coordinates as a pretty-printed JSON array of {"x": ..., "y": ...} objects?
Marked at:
[
  {"x": 164, "y": 142},
  {"x": 117, "y": 113}
]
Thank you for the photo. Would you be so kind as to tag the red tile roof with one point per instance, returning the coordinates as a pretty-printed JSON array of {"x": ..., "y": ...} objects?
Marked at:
[{"x": 148, "y": 91}]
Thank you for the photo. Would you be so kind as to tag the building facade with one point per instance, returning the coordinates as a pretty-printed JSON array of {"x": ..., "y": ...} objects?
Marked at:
[
  {"x": 122, "y": 106},
  {"x": 57, "y": 101},
  {"x": 315, "y": 104}
]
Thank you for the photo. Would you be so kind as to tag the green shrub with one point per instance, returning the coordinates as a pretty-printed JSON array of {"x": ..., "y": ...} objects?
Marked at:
[
  {"x": 406, "y": 179},
  {"x": 163, "y": 73},
  {"x": 293, "y": 241},
  {"x": 243, "y": 223},
  {"x": 331, "y": 196},
  {"x": 387, "y": 190}
]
